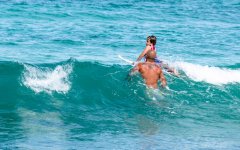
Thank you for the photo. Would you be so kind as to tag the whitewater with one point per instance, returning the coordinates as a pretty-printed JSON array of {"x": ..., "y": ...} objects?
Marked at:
[{"x": 63, "y": 86}]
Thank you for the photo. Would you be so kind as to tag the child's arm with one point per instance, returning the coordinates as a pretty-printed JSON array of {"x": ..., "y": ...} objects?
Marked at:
[{"x": 144, "y": 52}]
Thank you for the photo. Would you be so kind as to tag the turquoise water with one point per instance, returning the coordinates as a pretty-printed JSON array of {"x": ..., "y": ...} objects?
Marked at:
[{"x": 62, "y": 85}]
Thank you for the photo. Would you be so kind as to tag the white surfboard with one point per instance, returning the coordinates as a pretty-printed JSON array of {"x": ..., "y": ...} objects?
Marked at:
[{"x": 126, "y": 60}]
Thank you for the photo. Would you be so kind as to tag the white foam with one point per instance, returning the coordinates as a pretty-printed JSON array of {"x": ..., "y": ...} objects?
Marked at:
[
  {"x": 212, "y": 75},
  {"x": 47, "y": 80}
]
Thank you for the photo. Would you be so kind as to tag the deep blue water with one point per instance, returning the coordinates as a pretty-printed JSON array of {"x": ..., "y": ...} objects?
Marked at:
[{"x": 62, "y": 85}]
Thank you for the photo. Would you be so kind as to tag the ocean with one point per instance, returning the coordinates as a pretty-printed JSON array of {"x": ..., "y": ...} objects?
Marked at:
[{"x": 63, "y": 86}]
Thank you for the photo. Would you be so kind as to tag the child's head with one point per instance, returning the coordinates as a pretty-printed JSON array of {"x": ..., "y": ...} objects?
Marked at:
[{"x": 152, "y": 39}]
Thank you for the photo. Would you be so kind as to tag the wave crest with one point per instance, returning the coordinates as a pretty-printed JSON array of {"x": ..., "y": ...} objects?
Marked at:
[
  {"x": 212, "y": 75},
  {"x": 46, "y": 79}
]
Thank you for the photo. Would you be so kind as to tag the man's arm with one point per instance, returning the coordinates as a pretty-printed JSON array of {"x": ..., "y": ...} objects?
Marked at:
[
  {"x": 134, "y": 69},
  {"x": 132, "y": 72},
  {"x": 162, "y": 79},
  {"x": 170, "y": 69}
]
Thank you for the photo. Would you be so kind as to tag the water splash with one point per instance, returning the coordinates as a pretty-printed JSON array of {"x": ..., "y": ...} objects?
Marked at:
[
  {"x": 212, "y": 75},
  {"x": 47, "y": 80}
]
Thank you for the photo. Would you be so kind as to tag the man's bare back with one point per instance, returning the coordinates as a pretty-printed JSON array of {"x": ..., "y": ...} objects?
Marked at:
[{"x": 150, "y": 71}]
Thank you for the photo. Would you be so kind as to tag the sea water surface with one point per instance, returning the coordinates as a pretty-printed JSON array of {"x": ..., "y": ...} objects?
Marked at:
[{"x": 62, "y": 85}]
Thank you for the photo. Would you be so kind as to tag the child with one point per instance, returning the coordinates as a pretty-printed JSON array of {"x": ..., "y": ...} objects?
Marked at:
[{"x": 150, "y": 46}]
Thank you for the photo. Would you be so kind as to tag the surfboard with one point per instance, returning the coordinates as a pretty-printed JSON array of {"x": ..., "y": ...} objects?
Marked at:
[{"x": 126, "y": 60}]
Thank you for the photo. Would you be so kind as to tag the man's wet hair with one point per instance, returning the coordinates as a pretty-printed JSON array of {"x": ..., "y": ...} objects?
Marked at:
[{"x": 152, "y": 39}]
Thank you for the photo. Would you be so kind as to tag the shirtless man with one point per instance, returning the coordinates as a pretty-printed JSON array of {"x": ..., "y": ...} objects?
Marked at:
[{"x": 150, "y": 71}]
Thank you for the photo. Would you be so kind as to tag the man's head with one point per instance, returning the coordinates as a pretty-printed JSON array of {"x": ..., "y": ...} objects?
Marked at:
[
  {"x": 152, "y": 39},
  {"x": 151, "y": 55}
]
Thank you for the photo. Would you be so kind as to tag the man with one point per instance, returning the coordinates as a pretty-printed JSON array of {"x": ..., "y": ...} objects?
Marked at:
[{"x": 150, "y": 71}]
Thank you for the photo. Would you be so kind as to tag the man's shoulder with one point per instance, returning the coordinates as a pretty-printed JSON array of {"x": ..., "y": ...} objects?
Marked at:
[{"x": 151, "y": 64}]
